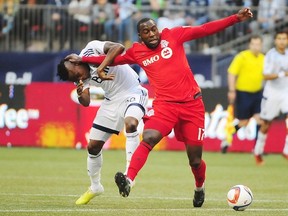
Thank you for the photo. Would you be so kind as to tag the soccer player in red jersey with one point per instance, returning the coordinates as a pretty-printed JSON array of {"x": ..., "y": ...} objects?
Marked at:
[{"x": 178, "y": 102}]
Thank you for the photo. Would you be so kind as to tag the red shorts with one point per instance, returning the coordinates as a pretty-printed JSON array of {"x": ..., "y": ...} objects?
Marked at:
[{"x": 187, "y": 120}]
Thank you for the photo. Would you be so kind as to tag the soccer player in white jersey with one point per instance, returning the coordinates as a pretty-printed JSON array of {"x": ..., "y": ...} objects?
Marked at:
[
  {"x": 124, "y": 104},
  {"x": 275, "y": 95}
]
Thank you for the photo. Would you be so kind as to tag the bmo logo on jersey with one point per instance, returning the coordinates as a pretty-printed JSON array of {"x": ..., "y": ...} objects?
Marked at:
[
  {"x": 153, "y": 59},
  {"x": 166, "y": 53}
]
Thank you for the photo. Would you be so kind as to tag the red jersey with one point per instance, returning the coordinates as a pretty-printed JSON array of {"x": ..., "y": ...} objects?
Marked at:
[{"x": 166, "y": 66}]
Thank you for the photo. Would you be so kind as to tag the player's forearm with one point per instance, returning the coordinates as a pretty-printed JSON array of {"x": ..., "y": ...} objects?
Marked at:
[
  {"x": 84, "y": 99},
  {"x": 218, "y": 25},
  {"x": 113, "y": 52},
  {"x": 231, "y": 82},
  {"x": 119, "y": 60},
  {"x": 273, "y": 76},
  {"x": 93, "y": 59}
]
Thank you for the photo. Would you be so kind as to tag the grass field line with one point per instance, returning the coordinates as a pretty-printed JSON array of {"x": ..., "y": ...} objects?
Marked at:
[
  {"x": 134, "y": 197},
  {"x": 137, "y": 210}
]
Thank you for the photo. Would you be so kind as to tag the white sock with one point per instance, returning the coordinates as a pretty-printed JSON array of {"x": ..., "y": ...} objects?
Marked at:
[
  {"x": 285, "y": 150},
  {"x": 260, "y": 143},
  {"x": 94, "y": 164},
  {"x": 132, "y": 142}
]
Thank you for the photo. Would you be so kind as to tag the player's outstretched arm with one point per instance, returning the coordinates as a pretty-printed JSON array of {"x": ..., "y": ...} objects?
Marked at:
[{"x": 215, "y": 26}]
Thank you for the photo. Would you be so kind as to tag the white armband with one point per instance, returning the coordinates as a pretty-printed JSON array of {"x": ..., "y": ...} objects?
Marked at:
[{"x": 281, "y": 74}]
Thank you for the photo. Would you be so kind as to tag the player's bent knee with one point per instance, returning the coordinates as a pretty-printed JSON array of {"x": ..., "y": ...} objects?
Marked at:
[
  {"x": 152, "y": 137},
  {"x": 195, "y": 163},
  {"x": 94, "y": 147},
  {"x": 131, "y": 124}
]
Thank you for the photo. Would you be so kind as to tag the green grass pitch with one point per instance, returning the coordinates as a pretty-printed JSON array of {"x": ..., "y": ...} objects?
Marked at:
[{"x": 37, "y": 181}]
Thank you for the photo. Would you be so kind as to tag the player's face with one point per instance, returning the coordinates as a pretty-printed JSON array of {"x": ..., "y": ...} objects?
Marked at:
[
  {"x": 255, "y": 45},
  {"x": 281, "y": 41},
  {"x": 149, "y": 34},
  {"x": 76, "y": 72}
]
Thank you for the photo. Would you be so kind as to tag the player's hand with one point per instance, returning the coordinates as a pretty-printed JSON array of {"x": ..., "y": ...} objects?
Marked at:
[
  {"x": 104, "y": 76},
  {"x": 244, "y": 14},
  {"x": 74, "y": 58},
  {"x": 79, "y": 88}
]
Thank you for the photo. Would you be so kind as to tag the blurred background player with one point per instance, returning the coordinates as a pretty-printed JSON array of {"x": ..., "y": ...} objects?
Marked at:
[
  {"x": 275, "y": 94},
  {"x": 245, "y": 84},
  {"x": 125, "y": 102}
]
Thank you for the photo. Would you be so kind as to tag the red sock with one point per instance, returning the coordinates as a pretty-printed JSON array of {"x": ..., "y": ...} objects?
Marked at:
[
  {"x": 138, "y": 159},
  {"x": 199, "y": 174}
]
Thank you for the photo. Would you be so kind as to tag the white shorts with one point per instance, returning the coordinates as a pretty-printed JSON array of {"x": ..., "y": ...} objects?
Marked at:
[
  {"x": 272, "y": 105},
  {"x": 111, "y": 114}
]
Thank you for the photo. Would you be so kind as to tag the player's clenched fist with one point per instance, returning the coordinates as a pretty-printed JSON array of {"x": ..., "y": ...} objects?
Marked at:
[{"x": 79, "y": 88}]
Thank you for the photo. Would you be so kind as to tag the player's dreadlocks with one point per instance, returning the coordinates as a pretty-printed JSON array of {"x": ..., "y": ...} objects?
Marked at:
[{"x": 62, "y": 71}]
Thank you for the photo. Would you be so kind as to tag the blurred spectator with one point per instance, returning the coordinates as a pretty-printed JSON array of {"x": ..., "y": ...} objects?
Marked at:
[
  {"x": 218, "y": 8},
  {"x": 29, "y": 22},
  {"x": 103, "y": 15},
  {"x": 174, "y": 15},
  {"x": 270, "y": 12},
  {"x": 56, "y": 22},
  {"x": 196, "y": 13},
  {"x": 8, "y": 9},
  {"x": 80, "y": 10},
  {"x": 150, "y": 8},
  {"x": 125, "y": 22}
]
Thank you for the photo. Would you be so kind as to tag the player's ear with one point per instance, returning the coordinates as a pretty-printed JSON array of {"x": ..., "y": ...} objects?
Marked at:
[{"x": 139, "y": 37}]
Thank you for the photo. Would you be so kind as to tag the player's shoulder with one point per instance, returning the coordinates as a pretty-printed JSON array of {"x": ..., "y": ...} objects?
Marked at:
[
  {"x": 241, "y": 55},
  {"x": 94, "y": 47},
  {"x": 271, "y": 52},
  {"x": 137, "y": 47},
  {"x": 168, "y": 31},
  {"x": 246, "y": 54}
]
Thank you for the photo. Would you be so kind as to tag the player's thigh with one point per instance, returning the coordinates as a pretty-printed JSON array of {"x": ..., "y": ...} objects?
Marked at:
[
  {"x": 109, "y": 117},
  {"x": 97, "y": 135},
  {"x": 135, "y": 111},
  {"x": 270, "y": 107},
  {"x": 163, "y": 117},
  {"x": 247, "y": 104},
  {"x": 136, "y": 104},
  {"x": 190, "y": 127}
]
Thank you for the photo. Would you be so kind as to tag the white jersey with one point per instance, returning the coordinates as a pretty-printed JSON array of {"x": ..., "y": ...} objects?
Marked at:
[
  {"x": 276, "y": 62},
  {"x": 125, "y": 81},
  {"x": 275, "y": 94}
]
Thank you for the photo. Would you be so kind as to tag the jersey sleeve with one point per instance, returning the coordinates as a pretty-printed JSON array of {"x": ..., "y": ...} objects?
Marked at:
[
  {"x": 187, "y": 33},
  {"x": 125, "y": 58}
]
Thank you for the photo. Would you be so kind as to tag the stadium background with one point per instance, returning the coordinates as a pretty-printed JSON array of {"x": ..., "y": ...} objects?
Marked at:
[{"x": 37, "y": 110}]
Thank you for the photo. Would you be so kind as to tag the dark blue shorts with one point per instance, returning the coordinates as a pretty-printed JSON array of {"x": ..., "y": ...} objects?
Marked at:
[{"x": 247, "y": 104}]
